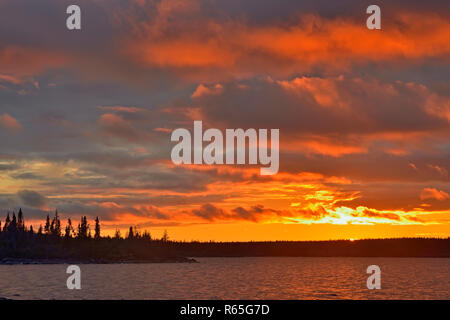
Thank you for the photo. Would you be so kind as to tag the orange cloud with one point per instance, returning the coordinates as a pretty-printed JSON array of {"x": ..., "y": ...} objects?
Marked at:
[
  {"x": 438, "y": 106},
  {"x": 442, "y": 171},
  {"x": 312, "y": 41},
  {"x": 10, "y": 123},
  {"x": 22, "y": 61},
  {"x": 432, "y": 193},
  {"x": 324, "y": 147},
  {"x": 10, "y": 79},
  {"x": 324, "y": 91},
  {"x": 121, "y": 109},
  {"x": 203, "y": 90},
  {"x": 332, "y": 116},
  {"x": 117, "y": 126}
]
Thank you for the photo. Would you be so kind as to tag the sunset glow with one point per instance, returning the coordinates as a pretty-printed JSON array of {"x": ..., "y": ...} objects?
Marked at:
[{"x": 364, "y": 119}]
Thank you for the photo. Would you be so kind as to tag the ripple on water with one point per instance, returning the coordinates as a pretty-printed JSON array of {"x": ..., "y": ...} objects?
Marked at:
[{"x": 235, "y": 278}]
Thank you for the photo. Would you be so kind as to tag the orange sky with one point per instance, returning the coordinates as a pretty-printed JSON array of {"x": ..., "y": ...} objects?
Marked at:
[{"x": 86, "y": 118}]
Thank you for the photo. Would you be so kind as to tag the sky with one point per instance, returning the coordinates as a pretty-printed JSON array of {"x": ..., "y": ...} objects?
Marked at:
[{"x": 86, "y": 116}]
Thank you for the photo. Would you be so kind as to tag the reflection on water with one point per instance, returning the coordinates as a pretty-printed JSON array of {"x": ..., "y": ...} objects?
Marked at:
[{"x": 235, "y": 278}]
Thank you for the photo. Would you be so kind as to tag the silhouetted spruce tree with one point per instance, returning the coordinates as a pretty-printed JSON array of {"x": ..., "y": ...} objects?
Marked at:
[
  {"x": 7, "y": 222},
  {"x": 137, "y": 233},
  {"x": 69, "y": 229},
  {"x": 146, "y": 235},
  {"x": 83, "y": 228},
  {"x": 31, "y": 230},
  {"x": 40, "y": 230},
  {"x": 130, "y": 233},
  {"x": 55, "y": 228},
  {"x": 52, "y": 226},
  {"x": 47, "y": 225},
  {"x": 97, "y": 229},
  {"x": 20, "y": 221},
  {"x": 165, "y": 236},
  {"x": 117, "y": 234},
  {"x": 13, "y": 225}
]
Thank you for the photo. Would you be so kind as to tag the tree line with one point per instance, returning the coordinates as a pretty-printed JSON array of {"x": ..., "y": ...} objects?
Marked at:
[
  {"x": 52, "y": 241},
  {"x": 16, "y": 224},
  {"x": 55, "y": 241}
]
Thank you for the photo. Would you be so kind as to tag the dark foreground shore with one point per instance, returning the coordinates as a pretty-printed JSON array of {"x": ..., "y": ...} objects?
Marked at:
[{"x": 20, "y": 261}]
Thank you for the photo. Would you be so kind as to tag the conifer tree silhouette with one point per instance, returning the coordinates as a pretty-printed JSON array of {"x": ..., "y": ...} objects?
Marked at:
[
  {"x": 13, "y": 225},
  {"x": 7, "y": 222},
  {"x": 69, "y": 229},
  {"x": 20, "y": 221},
  {"x": 47, "y": 225},
  {"x": 130, "y": 233},
  {"x": 83, "y": 228},
  {"x": 97, "y": 229},
  {"x": 55, "y": 228}
]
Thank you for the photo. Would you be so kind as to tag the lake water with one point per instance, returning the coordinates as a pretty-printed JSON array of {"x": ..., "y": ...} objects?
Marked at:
[{"x": 235, "y": 278}]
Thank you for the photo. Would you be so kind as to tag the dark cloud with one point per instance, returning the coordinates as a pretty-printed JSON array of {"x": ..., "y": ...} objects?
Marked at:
[
  {"x": 312, "y": 213},
  {"x": 374, "y": 214},
  {"x": 366, "y": 121},
  {"x": 8, "y": 167},
  {"x": 7, "y": 201},
  {"x": 337, "y": 106},
  {"x": 387, "y": 215},
  {"x": 32, "y": 198},
  {"x": 27, "y": 176},
  {"x": 209, "y": 212}
]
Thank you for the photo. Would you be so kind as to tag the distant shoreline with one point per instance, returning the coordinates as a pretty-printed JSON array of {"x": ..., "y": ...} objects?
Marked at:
[
  {"x": 20, "y": 261},
  {"x": 400, "y": 247},
  {"x": 21, "y": 245},
  {"x": 84, "y": 251}
]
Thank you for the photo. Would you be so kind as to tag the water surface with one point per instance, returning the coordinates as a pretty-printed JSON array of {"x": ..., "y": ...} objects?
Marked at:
[{"x": 235, "y": 278}]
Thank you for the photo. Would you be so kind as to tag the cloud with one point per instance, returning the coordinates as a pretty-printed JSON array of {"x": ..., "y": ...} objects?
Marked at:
[
  {"x": 413, "y": 166},
  {"x": 442, "y": 171},
  {"x": 27, "y": 61},
  {"x": 209, "y": 212},
  {"x": 323, "y": 146},
  {"x": 235, "y": 47},
  {"x": 8, "y": 166},
  {"x": 154, "y": 212},
  {"x": 363, "y": 125},
  {"x": 121, "y": 109},
  {"x": 10, "y": 79},
  {"x": 254, "y": 213},
  {"x": 397, "y": 217},
  {"x": 374, "y": 214},
  {"x": 10, "y": 123},
  {"x": 116, "y": 126},
  {"x": 32, "y": 198},
  {"x": 432, "y": 193},
  {"x": 312, "y": 213},
  {"x": 203, "y": 90},
  {"x": 27, "y": 176},
  {"x": 438, "y": 106},
  {"x": 317, "y": 111}
]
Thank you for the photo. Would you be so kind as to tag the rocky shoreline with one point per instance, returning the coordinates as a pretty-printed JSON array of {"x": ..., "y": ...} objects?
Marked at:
[{"x": 25, "y": 261}]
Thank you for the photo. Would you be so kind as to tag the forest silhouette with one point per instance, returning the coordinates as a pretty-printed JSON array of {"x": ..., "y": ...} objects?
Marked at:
[{"x": 83, "y": 244}]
